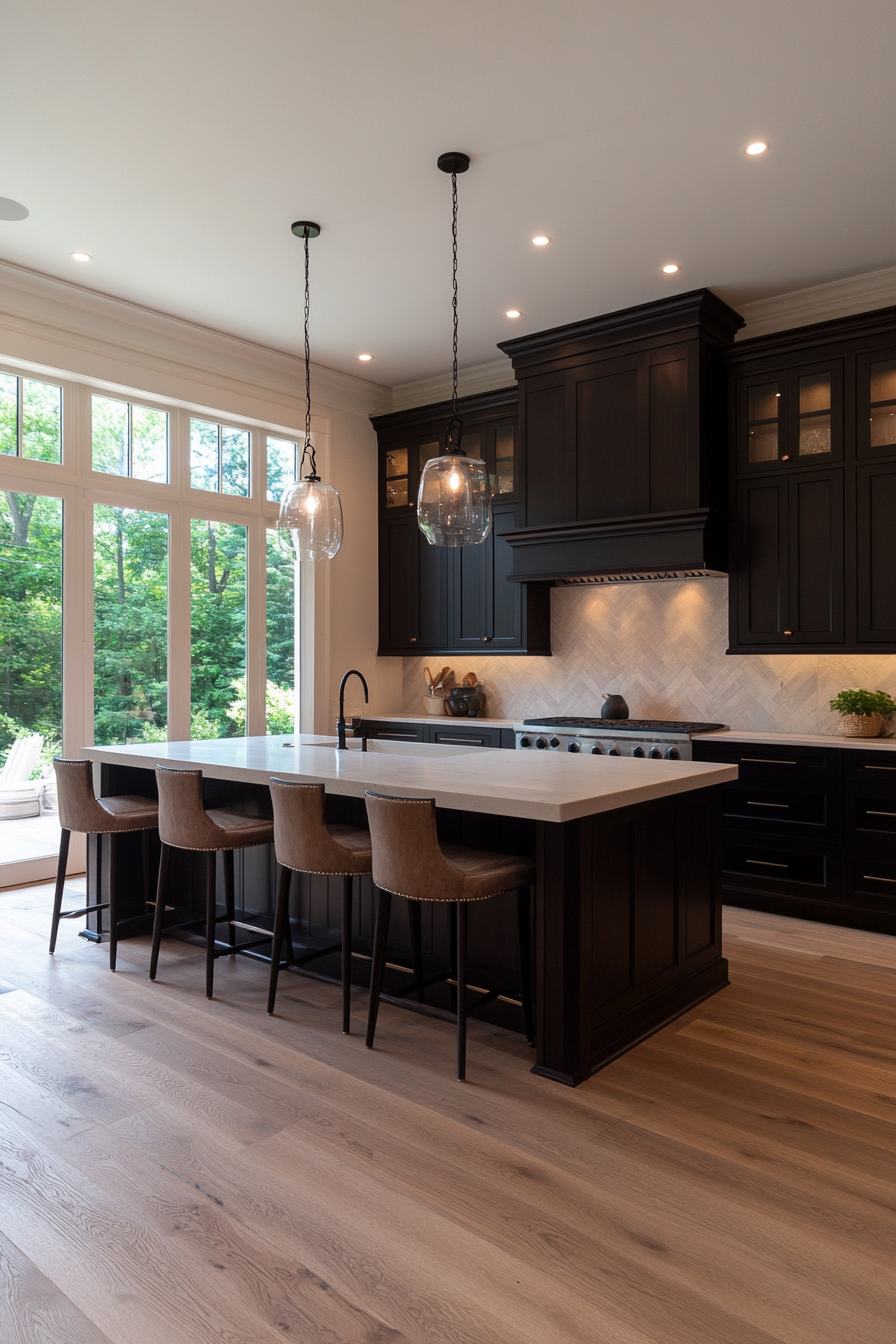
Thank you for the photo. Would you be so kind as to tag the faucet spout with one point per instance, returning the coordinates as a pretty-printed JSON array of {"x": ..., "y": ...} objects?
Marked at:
[{"x": 340, "y": 722}]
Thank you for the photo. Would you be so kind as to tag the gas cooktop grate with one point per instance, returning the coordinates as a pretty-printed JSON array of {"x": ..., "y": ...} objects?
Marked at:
[{"x": 626, "y": 725}]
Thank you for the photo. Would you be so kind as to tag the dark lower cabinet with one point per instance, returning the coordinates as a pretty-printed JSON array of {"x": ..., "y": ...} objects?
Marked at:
[
  {"x": 449, "y": 732},
  {"x": 808, "y": 832}
]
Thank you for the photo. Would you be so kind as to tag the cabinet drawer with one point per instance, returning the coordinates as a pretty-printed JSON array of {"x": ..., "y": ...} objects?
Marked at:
[
  {"x": 791, "y": 812},
  {"x": 869, "y": 817},
  {"x": 772, "y": 766},
  {"x": 462, "y": 736},
  {"x": 870, "y": 772},
  {"x": 806, "y": 871},
  {"x": 870, "y": 879},
  {"x": 391, "y": 731}
]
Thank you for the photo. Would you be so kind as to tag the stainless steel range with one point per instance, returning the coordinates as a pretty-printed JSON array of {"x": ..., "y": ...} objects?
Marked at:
[{"x": 653, "y": 739}]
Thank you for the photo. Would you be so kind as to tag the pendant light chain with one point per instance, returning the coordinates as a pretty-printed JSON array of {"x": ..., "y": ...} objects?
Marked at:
[
  {"x": 308, "y": 449},
  {"x": 454, "y": 281}
]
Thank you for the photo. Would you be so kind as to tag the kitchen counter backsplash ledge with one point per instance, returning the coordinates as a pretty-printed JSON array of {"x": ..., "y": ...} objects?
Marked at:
[{"x": 663, "y": 646}]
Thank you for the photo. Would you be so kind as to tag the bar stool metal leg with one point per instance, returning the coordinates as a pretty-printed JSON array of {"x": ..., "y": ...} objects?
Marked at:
[
  {"x": 281, "y": 924},
  {"x": 210, "y": 913},
  {"x": 346, "y": 955},
  {"x": 523, "y": 912},
  {"x": 378, "y": 964},
  {"x": 452, "y": 955},
  {"x": 64, "y": 838},
  {"x": 461, "y": 908},
  {"x": 164, "y": 860},
  {"x": 416, "y": 940},
  {"x": 229, "y": 902},
  {"x": 113, "y": 905}
]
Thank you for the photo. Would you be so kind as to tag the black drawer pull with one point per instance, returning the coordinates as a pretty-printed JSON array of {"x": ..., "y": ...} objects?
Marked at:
[
  {"x": 462, "y": 741},
  {"x": 869, "y": 877},
  {"x": 871, "y": 813},
  {"x": 891, "y": 768},
  {"x": 765, "y": 760},
  {"x": 784, "y": 805},
  {"x": 765, "y": 863}
]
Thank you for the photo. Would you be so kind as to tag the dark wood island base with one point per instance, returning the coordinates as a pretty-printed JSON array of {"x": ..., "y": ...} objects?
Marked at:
[{"x": 627, "y": 913}]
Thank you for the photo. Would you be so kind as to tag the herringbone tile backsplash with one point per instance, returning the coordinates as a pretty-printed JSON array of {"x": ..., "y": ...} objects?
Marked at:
[{"x": 662, "y": 646}]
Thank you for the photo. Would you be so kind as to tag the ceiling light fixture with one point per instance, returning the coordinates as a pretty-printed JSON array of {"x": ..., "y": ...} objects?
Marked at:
[
  {"x": 541, "y": 240},
  {"x": 81, "y": 256},
  {"x": 513, "y": 312},
  {"x": 670, "y": 268},
  {"x": 309, "y": 509},
  {"x": 756, "y": 147},
  {"x": 364, "y": 358},
  {"x": 454, "y": 499}
]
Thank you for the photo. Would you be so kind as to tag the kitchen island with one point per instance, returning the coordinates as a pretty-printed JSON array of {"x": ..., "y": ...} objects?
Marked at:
[{"x": 627, "y": 923}]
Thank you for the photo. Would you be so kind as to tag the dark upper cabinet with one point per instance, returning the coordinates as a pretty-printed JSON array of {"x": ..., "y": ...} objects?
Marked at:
[
  {"x": 812, "y": 556},
  {"x": 623, "y": 415},
  {"x": 434, "y": 599}
]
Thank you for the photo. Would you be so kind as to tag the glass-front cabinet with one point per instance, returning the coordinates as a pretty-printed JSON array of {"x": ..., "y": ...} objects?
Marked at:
[
  {"x": 793, "y": 419},
  {"x": 876, "y": 387}
]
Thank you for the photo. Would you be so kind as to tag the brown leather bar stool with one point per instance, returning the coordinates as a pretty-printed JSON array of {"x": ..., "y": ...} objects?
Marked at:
[
  {"x": 305, "y": 843},
  {"x": 409, "y": 861},
  {"x": 184, "y": 823},
  {"x": 80, "y": 810}
]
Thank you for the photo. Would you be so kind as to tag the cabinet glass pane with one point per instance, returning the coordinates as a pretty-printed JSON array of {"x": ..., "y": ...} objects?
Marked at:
[
  {"x": 815, "y": 434},
  {"x": 472, "y": 444},
  {"x": 764, "y": 443},
  {"x": 764, "y": 402},
  {"x": 396, "y": 494},
  {"x": 883, "y": 380},
  {"x": 428, "y": 450},
  {"x": 503, "y": 482},
  {"x": 397, "y": 462},
  {"x": 883, "y": 426},
  {"x": 815, "y": 393}
]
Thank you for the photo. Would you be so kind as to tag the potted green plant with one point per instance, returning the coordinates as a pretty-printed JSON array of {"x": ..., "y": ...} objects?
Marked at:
[{"x": 863, "y": 713}]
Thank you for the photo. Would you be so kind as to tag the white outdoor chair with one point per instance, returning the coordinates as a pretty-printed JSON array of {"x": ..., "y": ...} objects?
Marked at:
[{"x": 19, "y": 795}]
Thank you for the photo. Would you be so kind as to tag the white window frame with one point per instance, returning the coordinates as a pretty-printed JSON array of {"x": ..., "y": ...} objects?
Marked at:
[{"x": 80, "y": 488}]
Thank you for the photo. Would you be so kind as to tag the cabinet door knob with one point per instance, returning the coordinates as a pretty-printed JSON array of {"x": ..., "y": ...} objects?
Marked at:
[
  {"x": 486, "y": 638},
  {"x": 414, "y": 638},
  {"x": 786, "y": 457},
  {"x": 788, "y": 632}
]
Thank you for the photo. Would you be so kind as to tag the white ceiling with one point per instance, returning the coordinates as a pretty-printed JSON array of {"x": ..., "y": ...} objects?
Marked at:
[{"x": 176, "y": 141}]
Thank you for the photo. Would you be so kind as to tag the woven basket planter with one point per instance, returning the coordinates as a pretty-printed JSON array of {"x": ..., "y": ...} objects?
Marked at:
[{"x": 861, "y": 725}]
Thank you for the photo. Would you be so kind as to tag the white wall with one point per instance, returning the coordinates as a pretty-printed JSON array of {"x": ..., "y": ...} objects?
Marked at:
[{"x": 73, "y": 332}]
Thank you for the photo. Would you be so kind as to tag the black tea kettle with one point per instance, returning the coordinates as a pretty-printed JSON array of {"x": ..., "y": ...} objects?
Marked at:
[{"x": 614, "y": 707}]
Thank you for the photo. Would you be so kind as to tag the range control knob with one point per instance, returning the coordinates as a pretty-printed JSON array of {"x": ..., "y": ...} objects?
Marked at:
[
  {"x": 555, "y": 741},
  {"x": 525, "y": 742},
  {"x": 597, "y": 750},
  {"x": 540, "y": 743},
  {"x": 672, "y": 754},
  {"x": 638, "y": 751},
  {"x": 614, "y": 751},
  {"x": 572, "y": 746},
  {"x": 655, "y": 754}
]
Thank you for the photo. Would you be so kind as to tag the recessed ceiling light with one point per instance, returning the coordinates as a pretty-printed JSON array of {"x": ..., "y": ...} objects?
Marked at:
[
  {"x": 513, "y": 312},
  {"x": 670, "y": 268},
  {"x": 365, "y": 358},
  {"x": 541, "y": 240},
  {"x": 81, "y": 256},
  {"x": 757, "y": 147}
]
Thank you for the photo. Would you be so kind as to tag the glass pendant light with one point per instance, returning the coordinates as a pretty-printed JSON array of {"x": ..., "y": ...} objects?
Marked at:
[
  {"x": 454, "y": 500},
  {"x": 309, "y": 509}
]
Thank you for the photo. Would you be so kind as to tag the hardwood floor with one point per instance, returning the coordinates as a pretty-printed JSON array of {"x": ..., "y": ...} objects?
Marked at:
[{"x": 174, "y": 1171}]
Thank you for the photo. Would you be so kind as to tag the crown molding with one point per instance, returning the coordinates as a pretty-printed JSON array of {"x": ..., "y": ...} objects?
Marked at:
[
  {"x": 82, "y": 333},
  {"x": 490, "y": 377},
  {"x": 820, "y": 303}
]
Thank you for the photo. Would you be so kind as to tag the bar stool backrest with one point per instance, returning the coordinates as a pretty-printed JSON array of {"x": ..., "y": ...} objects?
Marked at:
[
  {"x": 183, "y": 821},
  {"x": 78, "y": 808},
  {"x": 301, "y": 838},
  {"x": 407, "y": 858}
]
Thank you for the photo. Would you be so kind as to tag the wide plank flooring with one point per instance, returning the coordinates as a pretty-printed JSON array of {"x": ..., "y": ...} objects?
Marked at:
[{"x": 174, "y": 1171}]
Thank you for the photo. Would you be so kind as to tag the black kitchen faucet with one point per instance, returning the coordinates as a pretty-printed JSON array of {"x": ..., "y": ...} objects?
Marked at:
[{"x": 340, "y": 722}]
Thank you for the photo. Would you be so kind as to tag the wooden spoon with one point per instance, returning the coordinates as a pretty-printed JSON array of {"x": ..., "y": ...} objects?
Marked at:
[
  {"x": 471, "y": 679},
  {"x": 428, "y": 675}
]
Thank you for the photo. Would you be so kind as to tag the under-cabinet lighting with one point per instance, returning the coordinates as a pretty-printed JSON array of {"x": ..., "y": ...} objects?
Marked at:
[
  {"x": 670, "y": 268},
  {"x": 81, "y": 256},
  {"x": 541, "y": 240},
  {"x": 757, "y": 147}
]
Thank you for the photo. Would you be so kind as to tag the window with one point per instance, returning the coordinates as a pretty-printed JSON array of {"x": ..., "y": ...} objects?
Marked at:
[
  {"x": 130, "y": 641},
  {"x": 281, "y": 619},
  {"x": 218, "y": 624},
  {"x": 30, "y": 418},
  {"x": 219, "y": 458},
  {"x": 130, "y": 440},
  {"x": 282, "y": 466}
]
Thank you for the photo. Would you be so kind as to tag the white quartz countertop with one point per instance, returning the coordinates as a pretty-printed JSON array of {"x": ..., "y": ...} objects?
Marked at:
[
  {"x": 536, "y": 786},
  {"x": 801, "y": 740}
]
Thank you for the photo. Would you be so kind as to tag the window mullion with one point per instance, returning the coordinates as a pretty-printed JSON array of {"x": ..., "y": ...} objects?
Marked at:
[{"x": 256, "y": 629}]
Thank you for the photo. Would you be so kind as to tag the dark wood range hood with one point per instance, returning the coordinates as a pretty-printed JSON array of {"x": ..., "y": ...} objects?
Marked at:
[{"x": 623, "y": 445}]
